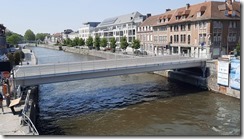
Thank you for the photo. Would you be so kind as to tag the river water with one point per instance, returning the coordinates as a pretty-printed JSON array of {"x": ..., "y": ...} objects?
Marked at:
[{"x": 138, "y": 104}]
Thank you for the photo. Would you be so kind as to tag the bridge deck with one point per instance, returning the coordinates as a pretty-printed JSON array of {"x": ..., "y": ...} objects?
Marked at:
[{"x": 49, "y": 71}]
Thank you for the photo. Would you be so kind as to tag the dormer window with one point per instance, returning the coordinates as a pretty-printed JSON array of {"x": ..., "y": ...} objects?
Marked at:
[{"x": 201, "y": 11}]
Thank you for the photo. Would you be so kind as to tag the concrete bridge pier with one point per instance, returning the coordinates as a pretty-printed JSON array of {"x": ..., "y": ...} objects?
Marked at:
[{"x": 204, "y": 68}]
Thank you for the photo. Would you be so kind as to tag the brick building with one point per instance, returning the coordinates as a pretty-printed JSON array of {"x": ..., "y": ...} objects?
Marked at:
[{"x": 196, "y": 30}]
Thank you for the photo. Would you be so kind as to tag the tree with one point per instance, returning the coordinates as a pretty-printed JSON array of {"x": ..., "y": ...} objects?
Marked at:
[
  {"x": 18, "y": 56},
  {"x": 29, "y": 35},
  {"x": 14, "y": 39},
  {"x": 113, "y": 44},
  {"x": 64, "y": 42},
  {"x": 81, "y": 42},
  {"x": 75, "y": 41},
  {"x": 68, "y": 42},
  {"x": 123, "y": 43},
  {"x": 11, "y": 58},
  {"x": 89, "y": 42},
  {"x": 238, "y": 49},
  {"x": 104, "y": 42},
  {"x": 136, "y": 44},
  {"x": 41, "y": 36},
  {"x": 97, "y": 42}
]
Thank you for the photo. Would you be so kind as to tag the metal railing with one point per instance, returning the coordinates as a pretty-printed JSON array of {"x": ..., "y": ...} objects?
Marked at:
[
  {"x": 66, "y": 68},
  {"x": 25, "y": 119}
]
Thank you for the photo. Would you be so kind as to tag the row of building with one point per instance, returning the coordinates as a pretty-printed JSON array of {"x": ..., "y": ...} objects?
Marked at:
[{"x": 208, "y": 28}]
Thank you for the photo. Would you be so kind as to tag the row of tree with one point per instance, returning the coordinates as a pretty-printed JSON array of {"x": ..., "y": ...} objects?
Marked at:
[
  {"x": 14, "y": 38},
  {"x": 98, "y": 42}
]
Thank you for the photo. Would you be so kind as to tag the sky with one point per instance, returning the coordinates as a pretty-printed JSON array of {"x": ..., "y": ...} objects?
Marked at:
[{"x": 52, "y": 16}]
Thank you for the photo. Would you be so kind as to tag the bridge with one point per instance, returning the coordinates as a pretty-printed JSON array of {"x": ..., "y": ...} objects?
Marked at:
[{"x": 52, "y": 73}]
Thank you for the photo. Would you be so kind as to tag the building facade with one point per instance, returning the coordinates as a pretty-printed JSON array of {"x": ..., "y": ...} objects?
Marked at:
[
  {"x": 73, "y": 35},
  {"x": 208, "y": 28},
  {"x": 120, "y": 26},
  {"x": 87, "y": 30},
  {"x": 3, "y": 48}
]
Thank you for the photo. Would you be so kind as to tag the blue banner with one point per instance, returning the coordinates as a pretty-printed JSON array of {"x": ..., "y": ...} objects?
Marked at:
[{"x": 235, "y": 80}]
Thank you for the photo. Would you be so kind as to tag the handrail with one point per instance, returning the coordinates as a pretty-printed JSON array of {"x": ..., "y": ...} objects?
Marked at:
[
  {"x": 30, "y": 124},
  {"x": 24, "y": 116}
]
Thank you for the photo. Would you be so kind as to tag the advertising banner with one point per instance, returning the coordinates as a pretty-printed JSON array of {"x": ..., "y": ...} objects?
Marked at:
[
  {"x": 235, "y": 74},
  {"x": 223, "y": 73}
]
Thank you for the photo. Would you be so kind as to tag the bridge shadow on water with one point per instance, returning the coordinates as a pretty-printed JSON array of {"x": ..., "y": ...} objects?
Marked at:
[{"x": 81, "y": 101}]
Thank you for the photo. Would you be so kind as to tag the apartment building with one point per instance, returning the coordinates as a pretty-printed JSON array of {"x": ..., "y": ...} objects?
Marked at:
[
  {"x": 117, "y": 27},
  {"x": 73, "y": 35},
  {"x": 3, "y": 48},
  {"x": 196, "y": 30},
  {"x": 87, "y": 29}
]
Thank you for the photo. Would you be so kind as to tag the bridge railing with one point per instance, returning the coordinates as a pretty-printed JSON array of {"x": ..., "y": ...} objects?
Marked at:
[{"x": 48, "y": 69}]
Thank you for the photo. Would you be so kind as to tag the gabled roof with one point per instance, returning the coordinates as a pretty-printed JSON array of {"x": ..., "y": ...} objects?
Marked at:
[
  {"x": 209, "y": 10},
  {"x": 150, "y": 21},
  {"x": 120, "y": 19}
]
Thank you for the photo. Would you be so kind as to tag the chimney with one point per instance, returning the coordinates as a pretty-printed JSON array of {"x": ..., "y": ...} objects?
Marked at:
[
  {"x": 187, "y": 6},
  {"x": 148, "y": 15},
  {"x": 168, "y": 10}
]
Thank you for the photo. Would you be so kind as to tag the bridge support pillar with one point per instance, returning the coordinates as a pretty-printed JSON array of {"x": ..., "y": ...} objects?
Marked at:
[{"x": 204, "y": 68}]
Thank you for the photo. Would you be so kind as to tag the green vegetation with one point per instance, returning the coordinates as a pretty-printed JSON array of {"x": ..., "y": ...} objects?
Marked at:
[
  {"x": 41, "y": 36},
  {"x": 18, "y": 57},
  {"x": 11, "y": 58},
  {"x": 123, "y": 43},
  {"x": 135, "y": 44},
  {"x": 14, "y": 39},
  {"x": 97, "y": 42},
  {"x": 104, "y": 42},
  {"x": 238, "y": 49},
  {"x": 75, "y": 42},
  {"x": 81, "y": 42},
  {"x": 89, "y": 42},
  {"x": 29, "y": 36},
  {"x": 113, "y": 44}
]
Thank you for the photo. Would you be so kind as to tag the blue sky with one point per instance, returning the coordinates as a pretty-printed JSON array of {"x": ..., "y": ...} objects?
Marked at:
[{"x": 51, "y": 16}]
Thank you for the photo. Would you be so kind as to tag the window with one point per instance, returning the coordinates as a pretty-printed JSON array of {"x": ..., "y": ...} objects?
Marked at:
[
  {"x": 189, "y": 39},
  {"x": 189, "y": 27},
  {"x": 160, "y": 38},
  {"x": 182, "y": 27},
  {"x": 234, "y": 24},
  {"x": 204, "y": 25},
  {"x": 234, "y": 37},
  {"x": 155, "y": 38}
]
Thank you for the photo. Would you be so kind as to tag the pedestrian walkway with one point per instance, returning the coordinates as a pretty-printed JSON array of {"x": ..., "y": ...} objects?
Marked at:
[
  {"x": 30, "y": 58},
  {"x": 11, "y": 124}
]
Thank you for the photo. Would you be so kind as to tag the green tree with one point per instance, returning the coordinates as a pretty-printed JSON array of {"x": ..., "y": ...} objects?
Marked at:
[
  {"x": 238, "y": 49},
  {"x": 136, "y": 44},
  {"x": 64, "y": 42},
  {"x": 68, "y": 42},
  {"x": 104, "y": 42},
  {"x": 81, "y": 42},
  {"x": 29, "y": 35},
  {"x": 76, "y": 41},
  {"x": 97, "y": 42},
  {"x": 123, "y": 43},
  {"x": 41, "y": 36},
  {"x": 113, "y": 44},
  {"x": 11, "y": 58},
  {"x": 89, "y": 42},
  {"x": 17, "y": 57},
  {"x": 14, "y": 39}
]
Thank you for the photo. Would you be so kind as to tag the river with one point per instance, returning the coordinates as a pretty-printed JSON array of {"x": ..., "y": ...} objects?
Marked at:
[{"x": 138, "y": 104}]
